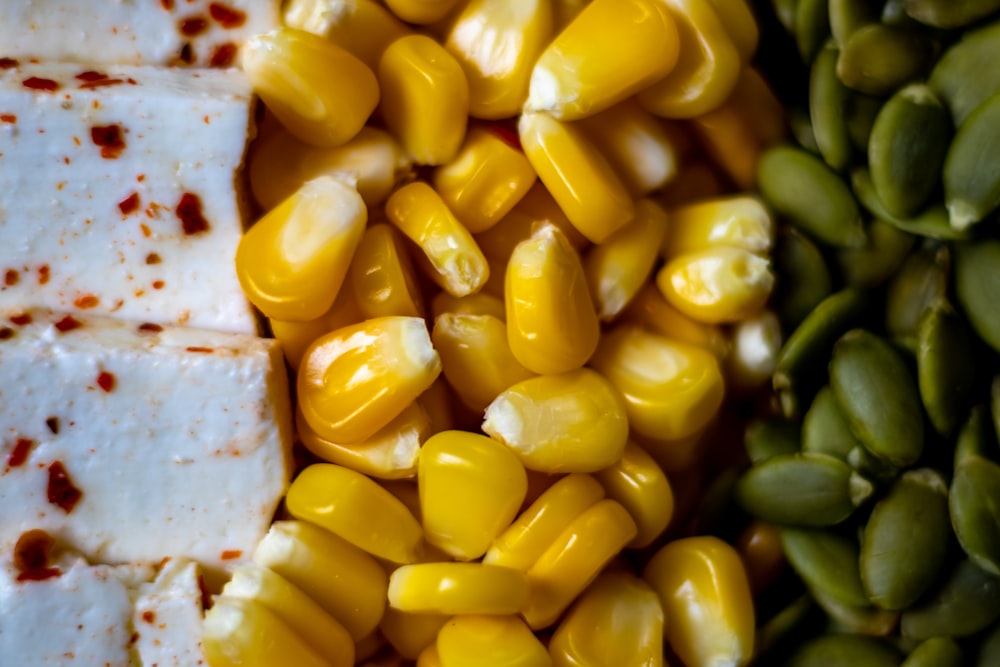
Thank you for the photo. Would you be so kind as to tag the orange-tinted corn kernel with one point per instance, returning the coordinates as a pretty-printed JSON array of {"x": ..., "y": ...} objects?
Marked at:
[
  {"x": 652, "y": 311},
  {"x": 292, "y": 262},
  {"x": 717, "y": 285},
  {"x": 319, "y": 91},
  {"x": 411, "y": 633},
  {"x": 471, "y": 488},
  {"x": 244, "y": 632},
  {"x": 551, "y": 323},
  {"x": 739, "y": 23},
  {"x": 611, "y": 50},
  {"x": 425, "y": 98},
  {"x": 759, "y": 546},
  {"x": 639, "y": 484},
  {"x": 457, "y": 263},
  {"x": 731, "y": 143},
  {"x": 382, "y": 275},
  {"x": 296, "y": 337},
  {"x": 577, "y": 175},
  {"x": 537, "y": 207},
  {"x": 739, "y": 221},
  {"x": 421, "y": 11},
  {"x": 355, "y": 380},
  {"x": 363, "y": 27},
  {"x": 473, "y": 304},
  {"x": 756, "y": 344},
  {"x": 457, "y": 588},
  {"x": 489, "y": 641},
  {"x": 706, "y": 598}
]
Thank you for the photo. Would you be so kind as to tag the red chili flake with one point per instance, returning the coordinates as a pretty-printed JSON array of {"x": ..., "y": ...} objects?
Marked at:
[
  {"x": 86, "y": 302},
  {"x": 11, "y": 278},
  {"x": 60, "y": 490},
  {"x": 68, "y": 323},
  {"x": 106, "y": 381},
  {"x": 202, "y": 350},
  {"x": 40, "y": 574},
  {"x": 19, "y": 454},
  {"x": 231, "y": 554},
  {"x": 223, "y": 56},
  {"x": 186, "y": 55},
  {"x": 8, "y": 118},
  {"x": 22, "y": 319},
  {"x": 53, "y": 425},
  {"x": 507, "y": 133},
  {"x": 189, "y": 212},
  {"x": 6, "y": 333},
  {"x": 158, "y": 284},
  {"x": 226, "y": 16},
  {"x": 153, "y": 258},
  {"x": 109, "y": 138},
  {"x": 150, "y": 327},
  {"x": 8, "y": 63},
  {"x": 100, "y": 83},
  {"x": 43, "y": 274},
  {"x": 149, "y": 616},
  {"x": 32, "y": 550},
  {"x": 167, "y": 4},
  {"x": 130, "y": 204},
  {"x": 38, "y": 83},
  {"x": 193, "y": 26},
  {"x": 91, "y": 75}
]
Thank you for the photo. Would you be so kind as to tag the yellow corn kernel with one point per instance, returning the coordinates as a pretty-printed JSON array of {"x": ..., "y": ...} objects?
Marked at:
[
  {"x": 730, "y": 141},
  {"x": 551, "y": 323},
  {"x": 652, "y": 311},
  {"x": 437, "y": 400},
  {"x": 484, "y": 181},
  {"x": 363, "y": 27},
  {"x": 429, "y": 657},
  {"x": 575, "y": 559},
  {"x": 739, "y": 23},
  {"x": 309, "y": 558},
  {"x": 759, "y": 546},
  {"x": 310, "y": 621},
  {"x": 421, "y": 12},
  {"x": 471, "y": 488},
  {"x": 490, "y": 641},
  {"x": 411, "y": 633},
  {"x": 761, "y": 107},
  {"x": 756, "y": 344},
  {"x": 296, "y": 337},
  {"x": 739, "y": 221},
  {"x": 382, "y": 276},
  {"x": 576, "y": 174},
  {"x": 425, "y": 98},
  {"x": 475, "y": 357},
  {"x": 706, "y": 598},
  {"x": 707, "y": 67},
  {"x": 717, "y": 285},
  {"x": 639, "y": 484},
  {"x": 292, "y": 262},
  {"x": 497, "y": 44},
  {"x": 537, "y": 207},
  {"x": 694, "y": 181},
  {"x": 611, "y": 50},
  {"x": 543, "y": 522},
  {"x": 618, "y": 268},
  {"x": 671, "y": 390},
  {"x": 473, "y": 304},
  {"x": 457, "y": 588},
  {"x": 320, "y": 92},
  {"x": 564, "y": 11},
  {"x": 572, "y": 422},
  {"x": 457, "y": 263},
  {"x": 244, "y": 633},
  {"x": 617, "y": 621}
]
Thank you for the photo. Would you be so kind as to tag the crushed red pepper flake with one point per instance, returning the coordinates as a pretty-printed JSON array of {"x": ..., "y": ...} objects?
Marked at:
[
  {"x": 130, "y": 204},
  {"x": 19, "y": 454},
  {"x": 106, "y": 381},
  {"x": 167, "y": 4},
  {"x": 153, "y": 258},
  {"x": 109, "y": 138},
  {"x": 227, "y": 16},
  {"x": 223, "y": 56},
  {"x": 43, "y": 274},
  {"x": 150, "y": 327},
  {"x": 8, "y": 118},
  {"x": 193, "y": 26},
  {"x": 149, "y": 616},
  {"x": 200, "y": 350},
  {"x": 190, "y": 214},
  {"x": 21, "y": 319},
  {"x": 158, "y": 284},
  {"x": 86, "y": 302},
  {"x": 231, "y": 554},
  {"x": 38, "y": 83},
  {"x": 53, "y": 425},
  {"x": 101, "y": 83},
  {"x": 8, "y": 63},
  {"x": 6, "y": 333},
  {"x": 91, "y": 75},
  {"x": 32, "y": 552},
  {"x": 186, "y": 55},
  {"x": 68, "y": 323},
  {"x": 61, "y": 491},
  {"x": 11, "y": 277},
  {"x": 40, "y": 574}
]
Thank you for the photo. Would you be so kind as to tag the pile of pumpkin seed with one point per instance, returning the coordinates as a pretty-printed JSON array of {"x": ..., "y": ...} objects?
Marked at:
[{"x": 882, "y": 465}]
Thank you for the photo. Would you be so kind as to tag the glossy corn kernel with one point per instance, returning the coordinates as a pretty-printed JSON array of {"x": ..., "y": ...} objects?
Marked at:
[
  {"x": 382, "y": 275},
  {"x": 473, "y": 304},
  {"x": 617, "y": 621},
  {"x": 639, "y": 484},
  {"x": 319, "y": 91},
  {"x": 411, "y": 633},
  {"x": 739, "y": 221},
  {"x": 296, "y": 337},
  {"x": 535, "y": 209},
  {"x": 706, "y": 598},
  {"x": 489, "y": 641},
  {"x": 355, "y": 380},
  {"x": 457, "y": 588},
  {"x": 471, "y": 488},
  {"x": 717, "y": 285},
  {"x": 577, "y": 175},
  {"x": 425, "y": 98},
  {"x": 671, "y": 390},
  {"x": 564, "y": 11},
  {"x": 759, "y": 546},
  {"x": 243, "y": 632},
  {"x": 707, "y": 68},
  {"x": 429, "y": 657},
  {"x": 611, "y": 50},
  {"x": 652, "y": 311},
  {"x": 575, "y": 559},
  {"x": 484, "y": 181},
  {"x": 618, "y": 268},
  {"x": 739, "y": 23},
  {"x": 731, "y": 142},
  {"x": 543, "y": 522},
  {"x": 457, "y": 263},
  {"x": 756, "y": 345},
  {"x": 293, "y": 606},
  {"x": 306, "y": 555},
  {"x": 552, "y": 326},
  {"x": 363, "y": 27},
  {"x": 421, "y": 12}
]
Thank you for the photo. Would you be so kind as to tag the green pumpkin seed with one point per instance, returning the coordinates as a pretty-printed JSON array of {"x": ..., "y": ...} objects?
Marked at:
[
  {"x": 843, "y": 650},
  {"x": 936, "y": 652},
  {"x": 862, "y": 110},
  {"x": 826, "y": 562},
  {"x": 932, "y": 222},
  {"x": 976, "y": 437},
  {"x": 765, "y": 438},
  {"x": 846, "y": 16},
  {"x": 946, "y": 366},
  {"x": 875, "y": 262},
  {"x": 967, "y": 75},
  {"x": 785, "y": 11},
  {"x": 802, "y": 129},
  {"x": 977, "y": 286},
  {"x": 878, "y": 59},
  {"x": 972, "y": 167},
  {"x": 812, "y": 26},
  {"x": 974, "y": 501},
  {"x": 825, "y": 429},
  {"x": 967, "y": 602},
  {"x": 805, "y": 278},
  {"x": 950, "y": 13},
  {"x": 828, "y": 100},
  {"x": 870, "y": 467},
  {"x": 867, "y": 620},
  {"x": 782, "y": 624},
  {"x": 989, "y": 649},
  {"x": 921, "y": 281}
]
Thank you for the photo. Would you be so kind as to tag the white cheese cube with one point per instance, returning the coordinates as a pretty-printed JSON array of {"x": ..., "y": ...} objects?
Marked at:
[
  {"x": 118, "y": 192},
  {"x": 168, "y": 616}
]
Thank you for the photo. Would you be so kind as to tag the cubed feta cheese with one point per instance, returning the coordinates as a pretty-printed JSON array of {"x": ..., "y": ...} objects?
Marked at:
[{"x": 168, "y": 615}]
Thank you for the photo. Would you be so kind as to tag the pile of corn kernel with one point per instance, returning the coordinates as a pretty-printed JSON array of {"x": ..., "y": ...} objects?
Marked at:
[{"x": 503, "y": 255}]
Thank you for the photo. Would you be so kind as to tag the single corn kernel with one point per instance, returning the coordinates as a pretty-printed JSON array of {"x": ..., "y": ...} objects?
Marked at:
[
  {"x": 652, "y": 311},
  {"x": 429, "y": 657},
  {"x": 575, "y": 559},
  {"x": 572, "y": 422},
  {"x": 425, "y": 98},
  {"x": 296, "y": 337},
  {"x": 739, "y": 23},
  {"x": 739, "y": 221},
  {"x": 421, "y": 12},
  {"x": 551, "y": 323},
  {"x": 363, "y": 27},
  {"x": 473, "y": 304},
  {"x": 484, "y": 181},
  {"x": 730, "y": 141},
  {"x": 707, "y": 68},
  {"x": 617, "y": 621},
  {"x": 639, "y": 484},
  {"x": 490, "y": 641},
  {"x": 306, "y": 555},
  {"x": 618, "y": 268},
  {"x": 457, "y": 588},
  {"x": 497, "y": 44},
  {"x": 471, "y": 488},
  {"x": 759, "y": 546},
  {"x": 611, "y": 50},
  {"x": 671, "y": 390},
  {"x": 292, "y": 262},
  {"x": 717, "y": 285},
  {"x": 756, "y": 345},
  {"x": 310, "y": 621},
  {"x": 706, "y": 598},
  {"x": 577, "y": 175},
  {"x": 410, "y": 634},
  {"x": 244, "y": 633},
  {"x": 457, "y": 263},
  {"x": 538, "y": 527},
  {"x": 319, "y": 91},
  {"x": 679, "y": 455},
  {"x": 382, "y": 275},
  {"x": 537, "y": 207},
  {"x": 696, "y": 181},
  {"x": 355, "y": 380}
]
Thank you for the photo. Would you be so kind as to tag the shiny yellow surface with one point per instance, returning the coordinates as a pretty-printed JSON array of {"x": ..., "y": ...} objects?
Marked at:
[
  {"x": 717, "y": 285},
  {"x": 471, "y": 488},
  {"x": 759, "y": 546},
  {"x": 382, "y": 275},
  {"x": 706, "y": 598},
  {"x": 536, "y": 208},
  {"x": 639, "y": 484},
  {"x": 411, "y": 633},
  {"x": 480, "y": 303},
  {"x": 457, "y": 588},
  {"x": 425, "y": 98},
  {"x": 552, "y": 326},
  {"x": 457, "y": 263},
  {"x": 244, "y": 633},
  {"x": 739, "y": 221},
  {"x": 319, "y": 91},
  {"x": 608, "y": 52},
  {"x": 355, "y": 380},
  {"x": 292, "y": 262},
  {"x": 363, "y": 27},
  {"x": 429, "y": 657},
  {"x": 739, "y": 23},
  {"x": 490, "y": 641},
  {"x": 421, "y": 11},
  {"x": 651, "y": 310},
  {"x": 579, "y": 178},
  {"x": 572, "y": 422},
  {"x": 296, "y": 337}
]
